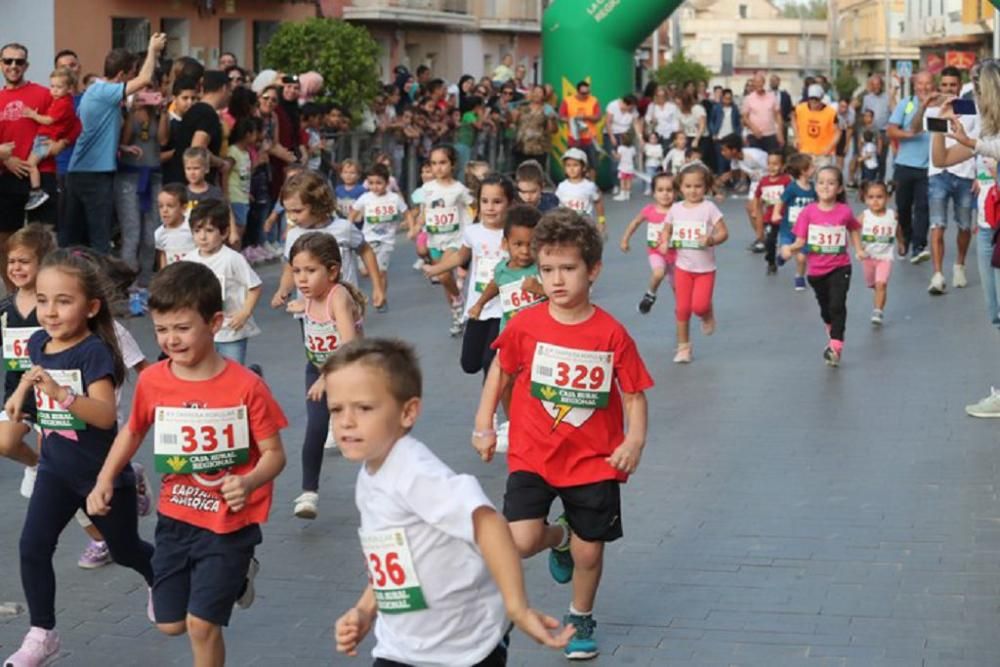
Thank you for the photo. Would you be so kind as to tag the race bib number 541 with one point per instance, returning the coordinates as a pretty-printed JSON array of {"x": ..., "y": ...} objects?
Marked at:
[
  {"x": 391, "y": 571},
  {"x": 577, "y": 378},
  {"x": 193, "y": 440}
]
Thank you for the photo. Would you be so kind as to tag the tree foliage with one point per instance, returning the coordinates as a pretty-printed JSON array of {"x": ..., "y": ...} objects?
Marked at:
[
  {"x": 346, "y": 55},
  {"x": 806, "y": 9},
  {"x": 682, "y": 69},
  {"x": 845, "y": 84}
]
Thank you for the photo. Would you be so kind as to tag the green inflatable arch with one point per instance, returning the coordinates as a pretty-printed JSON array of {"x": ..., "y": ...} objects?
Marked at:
[{"x": 596, "y": 40}]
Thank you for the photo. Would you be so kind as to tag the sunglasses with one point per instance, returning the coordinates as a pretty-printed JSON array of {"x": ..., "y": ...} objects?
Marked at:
[
  {"x": 268, "y": 98},
  {"x": 17, "y": 62},
  {"x": 236, "y": 79}
]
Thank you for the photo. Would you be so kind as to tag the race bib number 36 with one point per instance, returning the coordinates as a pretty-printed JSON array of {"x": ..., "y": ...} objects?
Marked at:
[
  {"x": 826, "y": 240},
  {"x": 192, "y": 440},
  {"x": 577, "y": 378},
  {"x": 15, "y": 347},
  {"x": 50, "y": 415},
  {"x": 391, "y": 571}
]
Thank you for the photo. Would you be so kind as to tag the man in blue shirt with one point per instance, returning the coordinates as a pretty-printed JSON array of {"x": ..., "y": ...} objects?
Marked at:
[
  {"x": 91, "y": 176},
  {"x": 911, "y": 166}
]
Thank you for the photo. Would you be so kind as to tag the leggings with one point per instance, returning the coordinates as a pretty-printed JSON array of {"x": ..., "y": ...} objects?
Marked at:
[
  {"x": 692, "y": 293},
  {"x": 53, "y": 503},
  {"x": 317, "y": 428},
  {"x": 477, "y": 345},
  {"x": 771, "y": 242},
  {"x": 831, "y": 294}
]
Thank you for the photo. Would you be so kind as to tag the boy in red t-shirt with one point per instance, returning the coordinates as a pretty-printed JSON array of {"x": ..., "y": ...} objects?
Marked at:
[
  {"x": 768, "y": 193},
  {"x": 217, "y": 440},
  {"x": 59, "y": 123},
  {"x": 577, "y": 378}
]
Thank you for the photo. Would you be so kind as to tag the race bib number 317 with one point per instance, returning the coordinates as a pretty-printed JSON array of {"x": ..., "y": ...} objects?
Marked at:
[
  {"x": 577, "y": 378},
  {"x": 192, "y": 440}
]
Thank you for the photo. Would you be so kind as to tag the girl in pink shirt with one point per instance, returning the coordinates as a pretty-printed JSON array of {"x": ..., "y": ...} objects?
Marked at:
[
  {"x": 661, "y": 265},
  {"x": 826, "y": 226},
  {"x": 693, "y": 228}
]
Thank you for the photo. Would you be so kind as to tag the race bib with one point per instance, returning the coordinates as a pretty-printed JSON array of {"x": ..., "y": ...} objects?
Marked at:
[
  {"x": 793, "y": 214},
  {"x": 578, "y": 205},
  {"x": 485, "y": 266},
  {"x": 391, "y": 571},
  {"x": 771, "y": 194},
  {"x": 50, "y": 415},
  {"x": 321, "y": 340},
  {"x": 827, "y": 240},
  {"x": 575, "y": 378},
  {"x": 376, "y": 214},
  {"x": 685, "y": 234},
  {"x": 654, "y": 230},
  {"x": 443, "y": 220},
  {"x": 194, "y": 440},
  {"x": 878, "y": 230},
  {"x": 513, "y": 297},
  {"x": 15, "y": 347}
]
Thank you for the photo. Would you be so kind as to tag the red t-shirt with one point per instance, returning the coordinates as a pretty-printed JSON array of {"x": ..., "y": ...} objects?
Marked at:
[
  {"x": 769, "y": 190},
  {"x": 15, "y": 127},
  {"x": 196, "y": 498},
  {"x": 65, "y": 126},
  {"x": 574, "y": 366}
]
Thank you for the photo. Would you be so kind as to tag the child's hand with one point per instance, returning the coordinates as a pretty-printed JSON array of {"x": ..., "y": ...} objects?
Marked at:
[
  {"x": 269, "y": 223},
  {"x": 429, "y": 270},
  {"x": 532, "y": 285},
  {"x": 316, "y": 390},
  {"x": 29, "y": 113},
  {"x": 134, "y": 151},
  {"x": 475, "y": 311},
  {"x": 624, "y": 244},
  {"x": 234, "y": 240},
  {"x": 279, "y": 298},
  {"x": 485, "y": 444},
  {"x": 351, "y": 629},
  {"x": 99, "y": 499},
  {"x": 786, "y": 252},
  {"x": 625, "y": 457},
  {"x": 13, "y": 409},
  {"x": 861, "y": 255},
  {"x": 235, "y": 490},
  {"x": 295, "y": 307},
  {"x": 41, "y": 379},
  {"x": 543, "y": 629},
  {"x": 237, "y": 321}
]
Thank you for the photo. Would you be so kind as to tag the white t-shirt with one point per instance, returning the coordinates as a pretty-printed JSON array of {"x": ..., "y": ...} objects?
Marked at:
[
  {"x": 885, "y": 227},
  {"x": 653, "y": 154},
  {"x": 487, "y": 251},
  {"x": 237, "y": 279},
  {"x": 665, "y": 119},
  {"x": 753, "y": 164},
  {"x": 132, "y": 356},
  {"x": 626, "y": 159},
  {"x": 579, "y": 196},
  {"x": 966, "y": 169},
  {"x": 726, "y": 128},
  {"x": 869, "y": 153},
  {"x": 621, "y": 122},
  {"x": 446, "y": 213},
  {"x": 174, "y": 242},
  {"x": 674, "y": 161},
  {"x": 690, "y": 121},
  {"x": 414, "y": 492},
  {"x": 349, "y": 238},
  {"x": 381, "y": 216}
]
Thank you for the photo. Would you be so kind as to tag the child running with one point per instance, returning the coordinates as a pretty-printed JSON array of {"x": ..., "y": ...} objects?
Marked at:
[
  {"x": 380, "y": 211},
  {"x": 766, "y": 198},
  {"x": 413, "y": 231},
  {"x": 676, "y": 157},
  {"x": 173, "y": 238},
  {"x": 694, "y": 226},
  {"x": 661, "y": 264},
  {"x": 652, "y": 159},
  {"x": 579, "y": 193},
  {"x": 212, "y": 499},
  {"x": 577, "y": 381},
  {"x": 240, "y": 283},
  {"x": 825, "y": 226},
  {"x": 332, "y": 314},
  {"x": 76, "y": 365},
  {"x": 350, "y": 188},
  {"x": 797, "y": 195},
  {"x": 482, "y": 243},
  {"x": 530, "y": 181},
  {"x": 878, "y": 238},
  {"x": 442, "y": 565},
  {"x": 625, "y": 154}
]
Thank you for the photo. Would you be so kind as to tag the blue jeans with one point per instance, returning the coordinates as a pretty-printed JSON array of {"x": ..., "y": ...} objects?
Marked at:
[
  {"x": 988, "y": 276},
  {"x": 944, "y": 186},
  {"x": 235, "y": 350}
]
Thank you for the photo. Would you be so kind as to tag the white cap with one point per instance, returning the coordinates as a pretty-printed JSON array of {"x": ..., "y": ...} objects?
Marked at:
[
  {"x": 575, "y": 154},
  {"x": 815, "y": 90}
]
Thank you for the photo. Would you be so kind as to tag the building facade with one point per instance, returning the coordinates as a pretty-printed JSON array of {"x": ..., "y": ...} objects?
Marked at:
[
  {"x": 949, "y": 32},
  {"x": 859, "y": 28},
  {"x": 452, "y": 37}
]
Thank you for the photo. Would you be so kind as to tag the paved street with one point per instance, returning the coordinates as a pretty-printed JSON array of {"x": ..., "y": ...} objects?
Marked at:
[{"x": 784, "y": 513}]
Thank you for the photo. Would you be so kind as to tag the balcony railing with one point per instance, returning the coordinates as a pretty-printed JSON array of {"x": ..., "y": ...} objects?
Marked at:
[
  {"x": 509, "y": 14},
  {"x": 783, "y": 60},
  {"x": 446, "y": 6}
]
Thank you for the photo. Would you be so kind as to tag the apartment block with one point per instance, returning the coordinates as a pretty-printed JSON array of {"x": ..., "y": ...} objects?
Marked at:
[
  {"x": 860, "y": 38},
  {"x": 949, "y": 32}
]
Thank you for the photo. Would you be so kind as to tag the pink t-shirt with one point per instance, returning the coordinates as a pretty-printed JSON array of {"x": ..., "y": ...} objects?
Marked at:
[
  {"x": 684, "y": 222},
  {"x": 827, "y": 235},
  {"x": 760, "y": 110},
  {"x": 655, "y": 221}
]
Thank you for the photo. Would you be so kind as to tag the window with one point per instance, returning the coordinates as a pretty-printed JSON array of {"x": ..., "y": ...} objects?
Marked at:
[
  {"x": 727, "y": 60},
  {"x": 131, "y": 34},
  {"x": 743, "y": 11},
  {"x": 263, "y": 31},
  {"x": 782, "y": 46}
]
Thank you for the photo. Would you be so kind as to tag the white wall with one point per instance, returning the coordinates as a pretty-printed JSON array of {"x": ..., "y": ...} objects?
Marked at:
[{"x": 32, "y": 23}]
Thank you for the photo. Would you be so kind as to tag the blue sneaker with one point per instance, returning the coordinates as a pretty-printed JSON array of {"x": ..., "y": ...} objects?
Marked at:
[
  {"x": 800, "y": 283},
  {"x": 561, "y": 560},
  {"x": 135, "y": 308},
  {"x": 582, "y": 646}
]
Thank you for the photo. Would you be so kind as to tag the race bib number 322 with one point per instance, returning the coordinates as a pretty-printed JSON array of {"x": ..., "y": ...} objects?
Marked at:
[
  {"x": 391, "y": 571},
  {"x": 577, "y": 378},
  {"x": 192, "y": 440}
]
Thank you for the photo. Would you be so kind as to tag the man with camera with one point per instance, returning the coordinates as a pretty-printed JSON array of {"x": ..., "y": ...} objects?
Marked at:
[{"x": 91, "y": 177}]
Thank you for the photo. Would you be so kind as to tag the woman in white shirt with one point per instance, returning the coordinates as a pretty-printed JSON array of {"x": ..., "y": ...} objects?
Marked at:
[
  {"x": 986, "y": 92},
  {"x": 662, "y": 115}
]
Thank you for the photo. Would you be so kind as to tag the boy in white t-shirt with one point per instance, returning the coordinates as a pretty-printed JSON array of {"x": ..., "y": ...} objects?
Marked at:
[
  {"x": 578, "y": 192},
  {"x": 380, "y": 213},
  {"x": 625, "y": 154},
  {"x": 173, "y": 238},
  {"x": 442, "y": 564}
]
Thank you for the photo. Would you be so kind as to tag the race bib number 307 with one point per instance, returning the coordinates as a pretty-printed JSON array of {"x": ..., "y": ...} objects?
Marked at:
[
  {"x": 577, "y": 378},
  {"x": 443, "y": 220},
  {"x": 391, "y": 571},
  {"x": 192, "y": 440}
]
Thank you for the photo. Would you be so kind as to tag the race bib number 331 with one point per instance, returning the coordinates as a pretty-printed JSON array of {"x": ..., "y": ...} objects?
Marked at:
[
  {"x": 577, "y": 378},
  {"x": 391, "y": 571},
  {"x": 193, "y": 440}
]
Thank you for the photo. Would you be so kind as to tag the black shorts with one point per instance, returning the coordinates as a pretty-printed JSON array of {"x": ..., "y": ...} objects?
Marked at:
[
  {"x": 594, "y": 511},
  {"x": 198, "y": 572},
  {"x": 842, "y": 144},
  {"x": 13, "y": 196},
  {"x": 498, "y": 658}
]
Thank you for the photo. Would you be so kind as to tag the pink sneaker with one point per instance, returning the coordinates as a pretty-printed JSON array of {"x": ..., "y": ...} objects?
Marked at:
[{"x": 39, "y": 648}]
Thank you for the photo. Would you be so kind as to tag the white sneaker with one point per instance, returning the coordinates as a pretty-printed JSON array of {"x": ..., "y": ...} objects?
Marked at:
[
  {"x": 305, "y": 505},
  {"x": 619, "y": 197},
  {"x": 331, "y": 442},
  {"x": 958, "y": 278},
  {"x": 246, "y": 598},
  {"x": 877, "y": 317},
  {"x": 937, "y": 285},
  {"x": 419, "y": 264},
  {"x": 28, "y": 480},
  {"x": 988, "y": 407},
  {"x": 503, "y": 439}
]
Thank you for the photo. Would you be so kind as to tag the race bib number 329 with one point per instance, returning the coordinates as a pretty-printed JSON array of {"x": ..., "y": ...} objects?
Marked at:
[
  {"x": 192, "y": 440},
  {"x": 577, "y": 378}
]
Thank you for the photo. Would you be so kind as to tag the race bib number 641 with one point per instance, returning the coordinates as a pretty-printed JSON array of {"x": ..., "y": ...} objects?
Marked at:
[{"x": 577, "y": 378}]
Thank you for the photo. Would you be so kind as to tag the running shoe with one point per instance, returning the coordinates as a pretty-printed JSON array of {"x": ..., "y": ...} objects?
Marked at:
[
  {"x": 28, "y": 481},
  {"x": 560, "y": 558},
  {"x": 831, "y": 357},
  {"x": 920, "y": 256},
  {"x": 135, "y": 308},
  {"x": 800, "y": 283},
  {"x": 648, "y": 299},
  {"x": 877, "y": 317},
  {"x": 683, "y": 355},
  {"x": 937, "y": 285},
  {"x": 306, "y": 505},
  {"x": 383, "y": 308},
  {"x": 39, "y": 648},
  {"x": 143, "y": 501},
  {"x": 987, "y": 408},
  {"x": 582, "y": 646},
  {"x": 456, "y": 318},
  {"x": 958, "y": 278},
  {"x": 95, "y": 555},
  {"x": 757, "y": 247},
  {"x": 36, "y": 199},
  {"x": 246, "y": 598},
  {"x": 772, "y": 269}
]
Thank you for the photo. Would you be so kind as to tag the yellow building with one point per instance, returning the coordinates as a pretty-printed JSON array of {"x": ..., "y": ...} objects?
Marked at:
[{"x": 859, "y": 29}]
